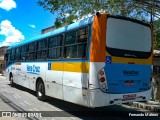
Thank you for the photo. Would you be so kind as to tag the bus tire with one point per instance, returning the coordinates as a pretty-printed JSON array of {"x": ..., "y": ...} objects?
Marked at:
[
  {"x": 11, "y": 81},
  {"x": 40, "y": 91}
]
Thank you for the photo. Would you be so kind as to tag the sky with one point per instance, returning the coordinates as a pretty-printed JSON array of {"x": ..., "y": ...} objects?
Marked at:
[{"x": 21, "y": 20}]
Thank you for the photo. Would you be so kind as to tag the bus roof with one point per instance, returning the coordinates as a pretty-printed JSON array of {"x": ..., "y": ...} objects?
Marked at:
[{"x": 72, "y": 26}]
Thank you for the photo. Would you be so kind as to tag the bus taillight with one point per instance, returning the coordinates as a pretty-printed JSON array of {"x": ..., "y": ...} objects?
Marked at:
[
  {"x": 102, "y": 80},
  {"x": 101, "y": 73}
]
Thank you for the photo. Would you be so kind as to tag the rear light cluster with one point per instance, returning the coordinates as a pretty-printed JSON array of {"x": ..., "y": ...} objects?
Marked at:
[{"x": 102, "y": 80}]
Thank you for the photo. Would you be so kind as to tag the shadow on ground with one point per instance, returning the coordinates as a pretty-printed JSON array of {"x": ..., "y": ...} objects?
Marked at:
[{"x": 114, "y": 112}]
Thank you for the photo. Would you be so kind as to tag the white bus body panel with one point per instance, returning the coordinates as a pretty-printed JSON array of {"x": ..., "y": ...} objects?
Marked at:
[
  {"x": 97, "y": 98},
  {"x": 54, "y": 90},
  {"x": 100, "y": 99},
  {"x": 95, "y": 67},
  {"x": 54, "y": 84},
  {"x": 75, "y": 87}
]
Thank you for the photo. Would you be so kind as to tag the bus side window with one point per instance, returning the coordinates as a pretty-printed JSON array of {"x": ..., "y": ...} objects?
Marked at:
[
  {"x": 76, "y": 43},
  {"x": 17, "y": 54},
  {"x": 70, "y": 49},
  {"x": 41, "y": 53},
  {"x": 24, "y": 51},
  {"x": 55, "y": 47},
  {"x": 82, "y": 39},
  {"x": 82, "y": 50},
  {"x": 83, "y": 35},
  {"x": 12, "y": 55},
  {"x": 31, "y": 51}
]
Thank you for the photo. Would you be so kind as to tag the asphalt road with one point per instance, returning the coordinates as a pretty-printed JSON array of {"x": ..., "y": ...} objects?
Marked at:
[{"x": 19, "y": 99}]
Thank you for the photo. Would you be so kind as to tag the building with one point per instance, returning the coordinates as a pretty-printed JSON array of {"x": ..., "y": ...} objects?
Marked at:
[
  {"x": 2, "y": 61},
  {"x": 49, "y": 29},
  {"x": 43, "y": 31}
]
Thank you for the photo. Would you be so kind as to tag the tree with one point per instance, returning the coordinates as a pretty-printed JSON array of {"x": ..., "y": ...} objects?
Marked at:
[
  {"x": 69, "y": 10},
  {"x": 156, "y": 34}
]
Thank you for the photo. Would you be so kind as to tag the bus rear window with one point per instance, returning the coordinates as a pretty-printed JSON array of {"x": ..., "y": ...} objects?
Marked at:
[{"x": 128, "y": 39}]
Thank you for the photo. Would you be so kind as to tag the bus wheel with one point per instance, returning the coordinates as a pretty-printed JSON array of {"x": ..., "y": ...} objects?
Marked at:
[
  {"x": 40, "y": 91},
  {"x": 11, "y": 81}
]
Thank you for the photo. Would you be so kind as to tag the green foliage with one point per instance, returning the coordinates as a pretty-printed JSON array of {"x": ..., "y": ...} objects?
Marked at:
[
  {"x": 156, "y": 34},
  {"x": 69, "y": 10}
]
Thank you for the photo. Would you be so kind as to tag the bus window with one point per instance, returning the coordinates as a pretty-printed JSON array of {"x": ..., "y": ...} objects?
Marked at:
[
  {"x": 59, "y": 40},
  {"x": 70, "y": 38},
  {"x": 41, "y": 55},
  {"x": 82, "y": 50},
  {"x": 83, "y": 35},
  {"x": 71, "y": 51},
  {"x": 17, "y": 54},
  {"x": 42, "y": 44},
  {"x": 59, "y": 53},
  {"x": 52, "y": 53},
  {"x": 31, "y": 47},
  {"x": 31, "y": 56},
  {"x": 76, "y": 48},
  {"x": 55, "y": 47},
  {"x": 24, "y": 51},
  {"x": 31, "y": 51},
  {"x": 12, "y": 56},
  {"x": 53, "y": 42}
]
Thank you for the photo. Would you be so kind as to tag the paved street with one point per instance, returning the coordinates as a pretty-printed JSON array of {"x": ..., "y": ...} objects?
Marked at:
[{"x": 21, "y": 99}]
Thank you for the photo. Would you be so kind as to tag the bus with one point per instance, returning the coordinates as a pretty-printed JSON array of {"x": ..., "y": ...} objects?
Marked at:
[{"x": 99, "y": 61}]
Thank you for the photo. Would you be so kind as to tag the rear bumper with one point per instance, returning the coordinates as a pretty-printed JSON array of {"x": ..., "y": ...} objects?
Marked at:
[{"x": 99, "y": 99}]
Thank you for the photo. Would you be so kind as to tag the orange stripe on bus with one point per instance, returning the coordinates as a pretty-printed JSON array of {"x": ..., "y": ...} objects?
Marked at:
[{"x": 97, "y": 53}]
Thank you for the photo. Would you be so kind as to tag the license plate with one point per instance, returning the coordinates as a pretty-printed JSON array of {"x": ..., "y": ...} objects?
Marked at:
[
  {"x": 129, "y": 96},
  {"x": 129, "y": 83}
]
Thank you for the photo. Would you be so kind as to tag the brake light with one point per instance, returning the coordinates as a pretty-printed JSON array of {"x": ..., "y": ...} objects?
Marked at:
[{"x": 102, "y": 79}]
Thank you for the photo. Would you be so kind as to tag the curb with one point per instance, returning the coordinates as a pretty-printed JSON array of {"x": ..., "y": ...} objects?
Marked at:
[{"x": 145, "y": 106}]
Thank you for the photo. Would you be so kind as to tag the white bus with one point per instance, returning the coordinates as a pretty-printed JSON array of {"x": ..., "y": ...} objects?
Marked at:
[{"x": 99, "y": 61}]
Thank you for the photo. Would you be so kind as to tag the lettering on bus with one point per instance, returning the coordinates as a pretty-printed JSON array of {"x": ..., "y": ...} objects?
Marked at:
[
  {"x": 130, "y": 73},
  {"x": 33, "y": 69}
]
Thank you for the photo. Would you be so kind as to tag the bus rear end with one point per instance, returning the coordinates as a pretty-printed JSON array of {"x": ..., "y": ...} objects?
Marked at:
[{"x": 124, "y": 73}]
